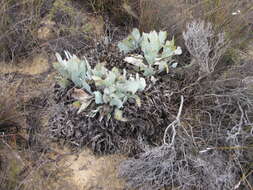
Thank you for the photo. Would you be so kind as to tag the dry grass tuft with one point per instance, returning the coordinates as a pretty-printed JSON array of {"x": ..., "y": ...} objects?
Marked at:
[
  {"x": 28, "y": 26},
  {"x": 11, "y": 118},
  {"x": 19, "y": 21},
  {"x": 11, "y": 124},
  {"x": 120, "y": 12}
]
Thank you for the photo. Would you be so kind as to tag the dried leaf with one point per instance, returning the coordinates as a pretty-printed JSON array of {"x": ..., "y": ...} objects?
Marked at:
[
  {"x": 83, "y": 97},
  {"x": 118, "y": 115}
]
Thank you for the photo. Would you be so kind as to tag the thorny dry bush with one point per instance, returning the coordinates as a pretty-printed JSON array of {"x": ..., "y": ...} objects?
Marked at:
[
  {"x": 53, "y": 25},
  {"x": 204, "y": 45},
  {"x": 213, "y": 144},
  {"x": 169, "y": 167},
  {"x": 18, "y": 24}
]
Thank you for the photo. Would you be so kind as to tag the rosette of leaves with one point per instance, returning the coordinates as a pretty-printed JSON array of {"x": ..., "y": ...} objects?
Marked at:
[
  {"x": 131, "y": 43},
  {"x": 114, "y": 88},
  {"x": 157, "y": 51},
  {"x": 74, "y": 69}
]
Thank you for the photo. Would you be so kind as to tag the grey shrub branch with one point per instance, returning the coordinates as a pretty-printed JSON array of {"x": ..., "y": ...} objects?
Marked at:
[
  {"x": 173, "y": 125},
  {"x": 204, "y": 45}
]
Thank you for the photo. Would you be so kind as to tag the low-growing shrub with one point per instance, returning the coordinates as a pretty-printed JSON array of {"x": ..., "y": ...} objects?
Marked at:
[
  {"x": 106, "y": 91},
  {"x": 156, "y": 50},
  {"x": 204, "y": 45},
  {"x": 111, "y": 89}
]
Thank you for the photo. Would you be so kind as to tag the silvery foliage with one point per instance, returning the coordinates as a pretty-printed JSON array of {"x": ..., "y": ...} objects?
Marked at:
[
  {"x": 112, "y": 87},
  {"x": 131, "y": 43},
  {"x": 115, "y": 88},
  {"x": 204, "y": 45},
  {"x": 73, "y": 69},
  {"x": 156, "y": 49}
]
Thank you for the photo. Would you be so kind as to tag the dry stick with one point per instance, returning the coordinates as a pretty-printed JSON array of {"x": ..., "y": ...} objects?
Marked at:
[
  {"x": 174, "y": 124},
  {"x": 244, "y": 177}
]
